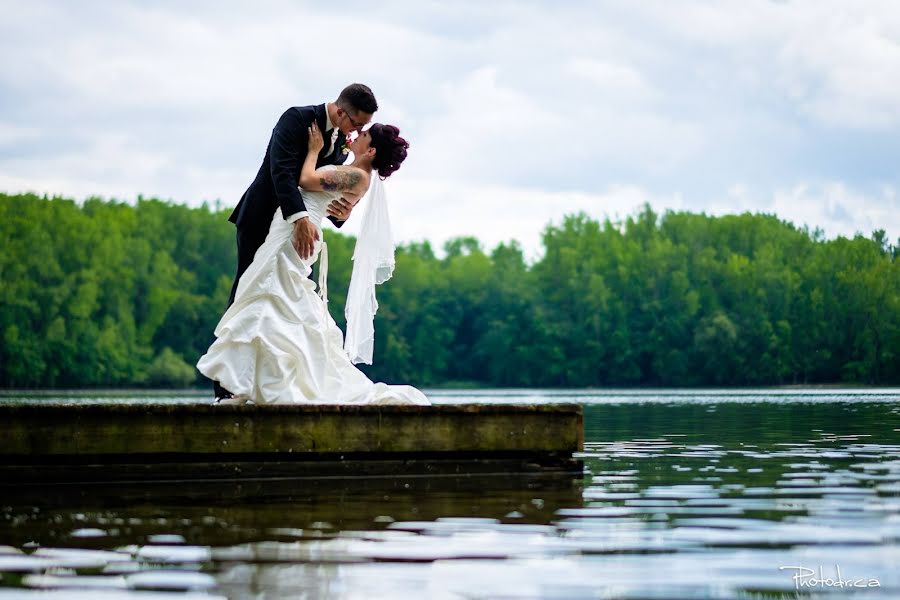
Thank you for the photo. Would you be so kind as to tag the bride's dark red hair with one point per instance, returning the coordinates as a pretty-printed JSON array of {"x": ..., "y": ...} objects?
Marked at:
[{"x": 390, "y": 149}]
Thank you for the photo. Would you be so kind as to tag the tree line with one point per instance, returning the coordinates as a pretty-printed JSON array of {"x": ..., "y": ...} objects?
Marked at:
[{"x": 106, "y": 294}]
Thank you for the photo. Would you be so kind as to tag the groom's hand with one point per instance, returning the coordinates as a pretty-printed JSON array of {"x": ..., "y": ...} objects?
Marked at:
[
  {"x": 304, "y": 237},
  {"x": 340, "y": 209}
]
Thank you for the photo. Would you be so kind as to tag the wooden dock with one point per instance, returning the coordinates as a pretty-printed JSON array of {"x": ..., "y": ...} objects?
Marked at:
[{"x": 65, "y": 443}]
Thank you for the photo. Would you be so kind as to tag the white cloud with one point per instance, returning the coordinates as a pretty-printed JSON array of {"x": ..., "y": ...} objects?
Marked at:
[
  {"x": 839, "y": 210},
  {"x": 485, "y": 128},
  {"x": 612, "y": 81},
  {"x": 441, "y": 209},
  {"x": 517, "y": 112},
  {"x": 832, "y": 206},
  {"x": 834, "y": 61},
  {"x": 13, "y": 134},
  {"x": 844, "y": 71}
]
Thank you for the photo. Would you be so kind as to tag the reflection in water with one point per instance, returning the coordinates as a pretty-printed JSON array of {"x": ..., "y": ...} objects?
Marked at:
[{"x": 693, "y": 496}]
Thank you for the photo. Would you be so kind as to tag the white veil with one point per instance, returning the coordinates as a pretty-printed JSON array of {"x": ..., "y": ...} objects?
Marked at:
[{"x": 373, "y": 264}]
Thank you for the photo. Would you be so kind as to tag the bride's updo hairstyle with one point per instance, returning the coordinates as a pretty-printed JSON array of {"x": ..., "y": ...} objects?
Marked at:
[{"x": 390, "y": 149}]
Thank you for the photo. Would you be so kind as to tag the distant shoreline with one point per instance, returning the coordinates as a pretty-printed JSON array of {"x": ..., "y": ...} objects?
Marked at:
[{"x": 114, "y": 391}]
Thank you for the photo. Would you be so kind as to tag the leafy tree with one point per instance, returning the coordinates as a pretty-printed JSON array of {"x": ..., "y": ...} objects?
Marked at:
[{"x": 106, "y": 293}]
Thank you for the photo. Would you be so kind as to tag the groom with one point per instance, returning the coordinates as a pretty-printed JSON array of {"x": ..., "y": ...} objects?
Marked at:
[{"x": 278, "y": 177}]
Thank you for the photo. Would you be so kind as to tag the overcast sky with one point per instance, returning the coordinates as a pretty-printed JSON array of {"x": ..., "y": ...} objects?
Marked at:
[{"x": 517, "y": 112}]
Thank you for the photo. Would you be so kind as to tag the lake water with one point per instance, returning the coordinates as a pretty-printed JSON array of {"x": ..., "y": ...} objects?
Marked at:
[{"x": 688, "y": 494}]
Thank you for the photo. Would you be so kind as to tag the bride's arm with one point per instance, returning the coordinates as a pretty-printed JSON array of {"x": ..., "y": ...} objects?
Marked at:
[
  {"x": 308, "y": 170},
  {"x": 350, "y": 180},
  {"x": 353, "y": 181}
]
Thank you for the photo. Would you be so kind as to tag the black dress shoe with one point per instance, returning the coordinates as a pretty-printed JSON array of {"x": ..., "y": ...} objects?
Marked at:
[{"x": 220, "y": 392}]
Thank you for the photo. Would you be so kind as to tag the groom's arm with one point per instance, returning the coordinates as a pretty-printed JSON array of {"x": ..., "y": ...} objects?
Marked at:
[{"x": 288, "y": 137}]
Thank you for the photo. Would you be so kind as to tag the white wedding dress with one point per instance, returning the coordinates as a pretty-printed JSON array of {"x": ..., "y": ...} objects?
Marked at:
[{"x": 278, "y": 343}]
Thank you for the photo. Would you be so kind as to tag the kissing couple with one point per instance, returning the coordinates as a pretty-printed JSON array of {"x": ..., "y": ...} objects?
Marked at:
[{"x": 277, "y": 342}]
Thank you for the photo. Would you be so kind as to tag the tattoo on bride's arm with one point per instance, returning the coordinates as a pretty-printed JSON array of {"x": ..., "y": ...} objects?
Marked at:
[{"x": 339, "y": 180}]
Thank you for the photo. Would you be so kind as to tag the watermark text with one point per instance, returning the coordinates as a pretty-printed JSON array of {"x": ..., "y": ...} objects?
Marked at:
[{"x": 804, "y": 577}]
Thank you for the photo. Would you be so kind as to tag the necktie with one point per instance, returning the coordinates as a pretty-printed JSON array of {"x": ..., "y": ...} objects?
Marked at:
[{"x": 334, "y": 136}]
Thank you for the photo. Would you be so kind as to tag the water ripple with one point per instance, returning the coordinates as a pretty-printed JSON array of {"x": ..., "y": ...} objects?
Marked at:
[{"x": 687, "y": 495}]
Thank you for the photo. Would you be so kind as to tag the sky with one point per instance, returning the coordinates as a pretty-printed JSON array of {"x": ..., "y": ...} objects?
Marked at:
[{"x": 517, "y": 113}]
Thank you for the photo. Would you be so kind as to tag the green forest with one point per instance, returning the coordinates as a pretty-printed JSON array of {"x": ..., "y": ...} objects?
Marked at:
[{"x": 107, "y": 294}]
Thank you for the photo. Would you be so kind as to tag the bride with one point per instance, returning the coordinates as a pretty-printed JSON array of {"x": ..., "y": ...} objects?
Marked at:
[{"x": 278, "y": 343}]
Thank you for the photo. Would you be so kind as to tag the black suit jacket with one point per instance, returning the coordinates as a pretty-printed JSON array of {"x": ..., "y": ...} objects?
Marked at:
[{"x": 279, "y": 175}]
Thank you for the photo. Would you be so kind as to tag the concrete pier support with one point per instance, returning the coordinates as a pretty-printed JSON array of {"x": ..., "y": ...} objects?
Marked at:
[{"x": 70, "y": 442}]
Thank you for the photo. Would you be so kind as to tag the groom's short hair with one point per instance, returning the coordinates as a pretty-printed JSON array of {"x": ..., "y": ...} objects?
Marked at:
[{"x": 357, "y": 97}]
